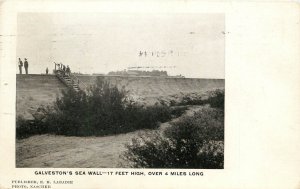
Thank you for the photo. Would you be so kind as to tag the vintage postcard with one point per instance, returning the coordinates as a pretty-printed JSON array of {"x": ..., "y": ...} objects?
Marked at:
[
  {"x": 88, "y": 84},
  {"x": 149, "y": 94}
]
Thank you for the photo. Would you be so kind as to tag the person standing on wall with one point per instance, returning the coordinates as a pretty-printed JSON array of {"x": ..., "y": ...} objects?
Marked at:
[
  {"x": 20, "y": 65},
  {"x": 68, "y": 70},
  {"x": 26, "y": 66},
  {"x": 64, "y": 69},
  {"x": 47, "y": 71}
]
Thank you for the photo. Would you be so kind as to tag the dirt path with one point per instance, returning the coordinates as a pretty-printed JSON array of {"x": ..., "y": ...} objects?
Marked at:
[{"x": 64, "y": 152}]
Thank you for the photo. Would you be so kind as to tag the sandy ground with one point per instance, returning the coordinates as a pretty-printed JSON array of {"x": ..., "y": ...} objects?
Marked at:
[
  {"x": 62, "y": 151},
  {"x": 81, "y": 152}
]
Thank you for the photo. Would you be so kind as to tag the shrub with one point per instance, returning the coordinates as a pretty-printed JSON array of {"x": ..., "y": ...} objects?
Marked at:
[
  {"x": 192, "y": 142},
  {"x": 188, "y": 100},
  {"x": 217, "y": 99},
  {"x": 139, "y": 117},
  {"x": 102, "y": 110},
  {"x": 27, "y": 128},
  {"x": 212, "y": 155},
  {"x": 177, "y": 111}
]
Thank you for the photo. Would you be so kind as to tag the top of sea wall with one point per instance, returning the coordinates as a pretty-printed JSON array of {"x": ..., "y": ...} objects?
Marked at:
[{"x": 158, "y": 86}]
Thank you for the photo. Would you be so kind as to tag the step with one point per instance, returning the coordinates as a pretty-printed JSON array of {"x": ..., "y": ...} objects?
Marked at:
[{"x": 69, "y": 81}]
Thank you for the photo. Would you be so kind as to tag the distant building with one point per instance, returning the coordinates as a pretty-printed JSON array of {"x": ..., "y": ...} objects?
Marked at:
[
  {"x": 153, "y": 73},
  {"x": 98, "y": 74}
]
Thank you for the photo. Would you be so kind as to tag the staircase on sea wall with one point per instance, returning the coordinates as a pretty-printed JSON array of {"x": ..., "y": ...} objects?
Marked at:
[{"x": 70, "y": 81}]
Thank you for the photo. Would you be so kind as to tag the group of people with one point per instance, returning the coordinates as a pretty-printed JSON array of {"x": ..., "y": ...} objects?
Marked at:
[
  {"x": 58, "y": 67},
  {"x": 65, "y": 69},
  {"x": 26, "y": 65}
]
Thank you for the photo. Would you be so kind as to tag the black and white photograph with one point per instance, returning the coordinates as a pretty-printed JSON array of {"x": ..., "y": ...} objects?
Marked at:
[
  {"x": 101, "y": 90},
  {"x": 131, "y": 94}
]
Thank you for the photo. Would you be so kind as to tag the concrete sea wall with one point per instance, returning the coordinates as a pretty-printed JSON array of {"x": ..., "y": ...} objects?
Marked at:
[{"x": 35, "y": 90}]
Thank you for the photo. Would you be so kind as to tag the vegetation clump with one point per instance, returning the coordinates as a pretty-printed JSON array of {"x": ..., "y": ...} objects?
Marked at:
[
  {"x": 102, "y": 110},
  {"x": 214, "y": 98},
  {"x": 192, "y": 142}
]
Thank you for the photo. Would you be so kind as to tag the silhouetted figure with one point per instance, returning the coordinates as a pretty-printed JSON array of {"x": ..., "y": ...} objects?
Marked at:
[
  {"x": 64, "y": 68},
  {"x": 68, "y": 70},
  {"x": 47, "y": 71},
  {"x": 20, "y": 65},
  {"x": 26, "y": 66}
]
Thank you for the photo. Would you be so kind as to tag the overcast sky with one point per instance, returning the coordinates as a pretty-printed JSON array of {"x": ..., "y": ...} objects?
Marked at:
[{"x": 188, "y": 44}]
